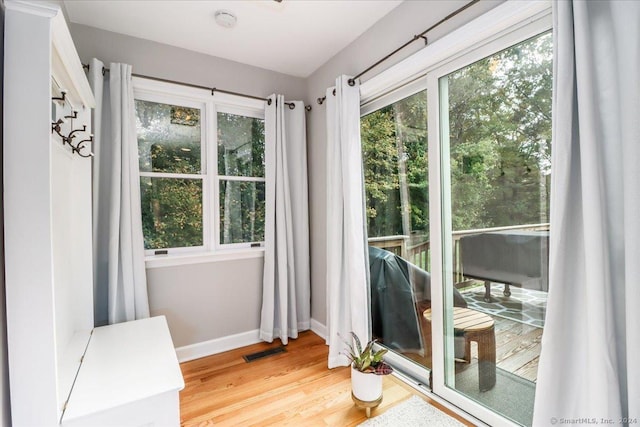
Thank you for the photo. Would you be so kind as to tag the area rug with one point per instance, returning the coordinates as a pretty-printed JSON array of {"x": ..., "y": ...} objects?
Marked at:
[
  {"x": 413, "y": 412},
  {"x": 524, "y": 305},
  {"x": 512, "y": 395}
]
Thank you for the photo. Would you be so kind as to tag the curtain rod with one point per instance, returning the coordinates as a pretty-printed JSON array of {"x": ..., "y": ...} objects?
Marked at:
[
  {"x": 352, "y": 81},
  {"x": 213, "y": 90}
]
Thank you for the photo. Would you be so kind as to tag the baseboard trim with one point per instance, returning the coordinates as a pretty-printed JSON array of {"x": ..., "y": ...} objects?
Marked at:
[
  {"x": 218, "y": 345},
  {"x": 319, "y": 329},
  {"x": 231, "y": 342}
]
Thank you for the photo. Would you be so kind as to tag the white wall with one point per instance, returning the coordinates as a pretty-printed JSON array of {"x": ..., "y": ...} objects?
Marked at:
[
  {"x": 202, "y": 302},
  {"x": 218, "y": 299},
  {"x": 400, "y": 25},
  {"x": 173, "y": 63}
]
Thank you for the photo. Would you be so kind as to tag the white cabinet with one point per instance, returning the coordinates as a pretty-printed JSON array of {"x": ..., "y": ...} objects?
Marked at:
[
  {"x": 48, "y": 252},
  {"x": 129, "y": 377}
]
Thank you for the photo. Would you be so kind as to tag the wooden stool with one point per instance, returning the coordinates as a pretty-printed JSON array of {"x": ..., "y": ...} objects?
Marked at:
[{"x": 478, "y": 327}]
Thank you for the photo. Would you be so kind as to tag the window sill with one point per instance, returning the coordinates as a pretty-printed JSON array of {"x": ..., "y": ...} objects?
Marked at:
[{"x": 159, "y": 261}]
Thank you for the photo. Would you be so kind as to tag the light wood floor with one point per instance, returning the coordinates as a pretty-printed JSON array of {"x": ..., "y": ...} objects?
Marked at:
[{"x": 292, "y": 388}]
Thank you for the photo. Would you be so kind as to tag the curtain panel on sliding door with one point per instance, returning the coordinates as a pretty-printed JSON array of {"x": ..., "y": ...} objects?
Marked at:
[
  {"x": 347, "y": 264},
  {"x": 589, "y": 362}
]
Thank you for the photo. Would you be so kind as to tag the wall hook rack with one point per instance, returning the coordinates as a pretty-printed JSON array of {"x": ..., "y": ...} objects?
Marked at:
[{"x": 56, "y": 127}]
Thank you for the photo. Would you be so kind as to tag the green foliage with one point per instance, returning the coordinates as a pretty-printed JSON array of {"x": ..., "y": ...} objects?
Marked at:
[
  {"x": 240, "y": 145},
  {"x": 499, "y": 147},
  {"x": 500, "y": 137},
  {"x": 242, "y": 211},
  {"x": 171, "y": 212},
  {"x": 394, "y": 148}
]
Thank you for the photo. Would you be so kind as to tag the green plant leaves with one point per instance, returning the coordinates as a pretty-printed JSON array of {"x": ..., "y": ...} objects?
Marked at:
[{"x": 367, "y": 360}]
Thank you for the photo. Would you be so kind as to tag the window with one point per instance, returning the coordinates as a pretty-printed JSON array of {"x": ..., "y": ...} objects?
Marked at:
[
  {"x": 196, "y": 198},
  {"x": 241, "y": 178},
  {"x": 394, "y": 151},
  {"x": 171, "y": 175}
]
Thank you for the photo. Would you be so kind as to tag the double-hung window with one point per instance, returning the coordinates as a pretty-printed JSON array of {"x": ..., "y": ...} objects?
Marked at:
[{"x": 202, "y": 168}]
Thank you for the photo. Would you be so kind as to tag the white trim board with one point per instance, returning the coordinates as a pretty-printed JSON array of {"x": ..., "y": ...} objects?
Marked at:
[
  {"x": 217, "y": 345},
  {"x": 232, "y": 342},
  {"x": 186, "y": 258},
  {"x": 319, "y": 329}
]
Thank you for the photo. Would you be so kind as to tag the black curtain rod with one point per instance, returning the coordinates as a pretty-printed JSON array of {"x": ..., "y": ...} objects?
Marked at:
[
  {"x": 291, "y": 105},
  {"x": 352, "y": 81}
]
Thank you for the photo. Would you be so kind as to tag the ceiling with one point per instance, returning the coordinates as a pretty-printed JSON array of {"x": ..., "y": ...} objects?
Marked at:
[{"x": 294, "y": 37}]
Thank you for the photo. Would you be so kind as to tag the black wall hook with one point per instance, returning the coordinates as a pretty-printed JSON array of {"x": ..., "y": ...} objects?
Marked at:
[
  {"x": 73, "y": 132},
  {"x": 62, "y": 97},
  {"x": 77, "y": 149},
  {"x": 55, "y": 127}
]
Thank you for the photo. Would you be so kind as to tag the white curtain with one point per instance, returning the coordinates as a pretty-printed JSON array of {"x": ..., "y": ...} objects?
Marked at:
[
  {"x": 286, "y": 296},
  {"x": 589, "y": 363},
  {"x": 347, "y": 261},
  {"x": 120, "y": 283}
]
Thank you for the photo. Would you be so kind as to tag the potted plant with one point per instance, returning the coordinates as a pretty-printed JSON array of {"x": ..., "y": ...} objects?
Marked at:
[{"x": 367, "y": 368}]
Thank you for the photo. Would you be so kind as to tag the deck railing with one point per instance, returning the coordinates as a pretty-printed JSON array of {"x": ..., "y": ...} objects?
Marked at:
[{"x": 420, "y": 254}]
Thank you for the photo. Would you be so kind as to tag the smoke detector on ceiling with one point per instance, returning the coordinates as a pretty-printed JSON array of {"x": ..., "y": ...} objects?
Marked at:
[{"x": 225, "y": 18}]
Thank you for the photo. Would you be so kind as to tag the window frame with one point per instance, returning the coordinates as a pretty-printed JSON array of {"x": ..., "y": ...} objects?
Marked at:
[
  {"x": 400, "y": 362},
  {"x": 226, "y": 109},
  {"x": 175, "y": 94}
]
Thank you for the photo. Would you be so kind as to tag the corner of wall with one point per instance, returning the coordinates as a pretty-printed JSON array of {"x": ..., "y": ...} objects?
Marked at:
[
  {"x": 319, "y": 329},
  {"x": 5, "y": 402}
]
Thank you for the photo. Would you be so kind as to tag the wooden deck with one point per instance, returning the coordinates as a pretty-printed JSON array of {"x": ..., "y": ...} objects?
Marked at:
[{"x": 517, "y": 349}]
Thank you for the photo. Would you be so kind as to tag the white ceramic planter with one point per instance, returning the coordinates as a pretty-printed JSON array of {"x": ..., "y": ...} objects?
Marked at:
[{"x": 366, "y": 387}]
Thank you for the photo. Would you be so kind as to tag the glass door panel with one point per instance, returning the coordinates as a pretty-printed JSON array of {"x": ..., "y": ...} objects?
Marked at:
[
  {"x": 394, "y": 144},
  {"x": 496, "y": 163}
]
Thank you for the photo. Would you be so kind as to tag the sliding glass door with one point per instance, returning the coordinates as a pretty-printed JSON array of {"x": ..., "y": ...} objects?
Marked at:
[
  {"x": 457, "y": 203},
  {"x": 394, "y": 144},
  {"x": 495, "y": 138}
]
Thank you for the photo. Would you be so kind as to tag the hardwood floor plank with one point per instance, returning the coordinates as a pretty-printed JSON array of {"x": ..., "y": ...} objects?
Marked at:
[{"x": 292, "y": 388}]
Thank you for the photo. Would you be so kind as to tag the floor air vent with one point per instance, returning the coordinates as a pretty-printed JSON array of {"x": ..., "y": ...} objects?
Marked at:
[{"x": 262, "y": 354}]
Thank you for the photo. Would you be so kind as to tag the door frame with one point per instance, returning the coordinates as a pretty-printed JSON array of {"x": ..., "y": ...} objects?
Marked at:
[{"x": 505, "y": 25}]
